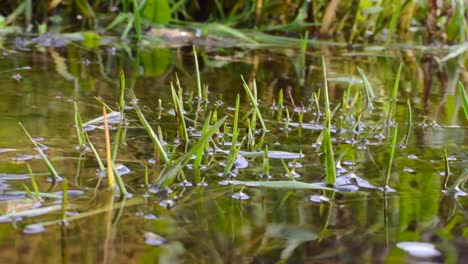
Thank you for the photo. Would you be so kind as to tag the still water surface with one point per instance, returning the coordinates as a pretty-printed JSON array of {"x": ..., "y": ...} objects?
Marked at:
[{"x": 227, "y": 223}]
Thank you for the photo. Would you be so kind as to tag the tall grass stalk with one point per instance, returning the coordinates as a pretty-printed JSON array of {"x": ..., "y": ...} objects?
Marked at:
[
  {"x": 327, "y": 146},
  {"x": 329, "y": 159},
  {"x": 110, "y": 170},
  {"x": 254, "y": 102},
  {"x": 43, "y": 156},
  {"x": 122, "y": 91},
  {"x": 325, "y": 92},
  {"x": 197, "y": 69},
  {"x": 392, "y": 155},
  {"x": 154, "y": 138}
]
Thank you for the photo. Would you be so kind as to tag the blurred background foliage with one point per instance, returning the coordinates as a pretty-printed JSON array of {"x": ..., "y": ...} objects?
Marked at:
[{"x": 350, "y": 21}]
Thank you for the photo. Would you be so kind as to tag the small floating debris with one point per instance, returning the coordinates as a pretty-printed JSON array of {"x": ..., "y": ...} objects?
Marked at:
[
  {"x": 319, "y": 199},
  {"x": 294, "y": 164},
  {"x": 153, "y": 239},
  {"x": 408, "y": 170},
  {"x": 412, "y": 156},
  {"x": 25, "y": 157},
  {"x": 13, "y": 177},
  {"x": 4, "y": 150},
  {"x": 33, "y": 229},
  {"x": 167, "y": 203},
  {"x": 240, "y": 196},
  {"x": 150, "y": 217},
  {"x": 186, "y": 183},
  {"x": 419, "y": 249},
  {"x": 292, "y": 173},
  {"x": 71, "y": 193}
]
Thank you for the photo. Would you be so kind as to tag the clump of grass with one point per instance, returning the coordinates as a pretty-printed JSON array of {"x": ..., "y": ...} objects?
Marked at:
[
  {"x": 110, "y": 171},
  {"x": 154, "y": 138},
  {"x": 168, "y": 177},
  {"x": 253, "y": 101}
]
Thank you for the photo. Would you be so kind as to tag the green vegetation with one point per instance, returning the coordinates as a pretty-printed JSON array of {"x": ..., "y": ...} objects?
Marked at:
[
  {"x": 350, "y": 21},
  {"x": 293, "y": 147}
]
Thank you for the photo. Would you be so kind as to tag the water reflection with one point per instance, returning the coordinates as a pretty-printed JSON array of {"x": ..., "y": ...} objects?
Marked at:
[{"x": 225, "y": 223}]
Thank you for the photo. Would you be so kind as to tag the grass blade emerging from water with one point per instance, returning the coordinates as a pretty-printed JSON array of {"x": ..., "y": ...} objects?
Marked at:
[
  {"x": 392, "y": 154},
  {"x": 43, "y": 156},
  {"x": 253, "y": 100},
  {"x": 197, "y": 68},
  {"x": 327, "y": 146},
  {"x": 79, "y": 128},
  {"x": 110, "y": 171},
  {"x": 156, "y": 142},
  {"x": 368, "y": 89}
]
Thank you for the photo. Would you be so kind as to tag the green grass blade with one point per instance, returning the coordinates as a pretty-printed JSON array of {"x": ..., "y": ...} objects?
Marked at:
[
  {"x": 43, "y": 156},
  {"x": 325, "y": 90},
  {"x": 197, "y": 69},
  {"x": 254, "y": 104},
  {"x": 464, "y": 98},
  {"x": 329, "y": 159},
  {"x": 392, "y": 154},
  {"x": 79, "y": 127},
  {"x": 368, "y": 89},
  {"x": 156, "y": 142}
]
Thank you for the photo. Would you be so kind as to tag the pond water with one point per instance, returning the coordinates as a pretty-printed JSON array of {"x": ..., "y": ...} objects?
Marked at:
[{"x": 420, "y": 218}]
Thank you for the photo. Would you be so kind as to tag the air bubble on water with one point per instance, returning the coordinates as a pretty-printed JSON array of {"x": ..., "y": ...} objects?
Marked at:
[{"x": 240, "y": 196}]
